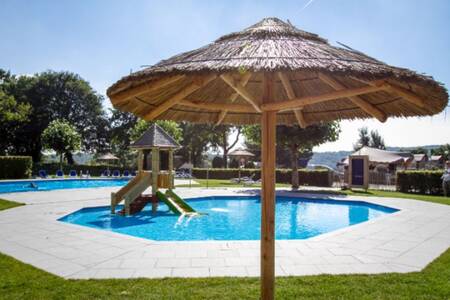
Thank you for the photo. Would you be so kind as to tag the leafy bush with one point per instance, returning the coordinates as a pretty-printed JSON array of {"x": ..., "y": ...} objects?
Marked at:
[
  {"x": 217, "y": 162},
  {"x": 234, "y": 164},
  {"x": 422, "y": 182},
  {"x": 306, "y": 177},
  {"x": 15, "y": 167},
  {"x": 250, "y": 165},
  {"x": 51, "y": 168}
]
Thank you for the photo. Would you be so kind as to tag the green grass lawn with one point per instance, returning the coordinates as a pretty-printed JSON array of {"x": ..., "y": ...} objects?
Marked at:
[
  {"x": 22, "y": 281},
  {"x": 5, "y": 204},
  {"x": 393, "y": 194},
  {"x": 379, "y": 193}
]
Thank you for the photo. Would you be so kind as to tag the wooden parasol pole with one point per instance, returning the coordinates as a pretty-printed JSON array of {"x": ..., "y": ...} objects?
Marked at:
[{"x": 268, "y": 135}]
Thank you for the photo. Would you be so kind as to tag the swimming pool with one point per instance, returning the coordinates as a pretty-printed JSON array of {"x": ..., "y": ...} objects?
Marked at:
[
  {"x": 58, "y": 184},
  {"x": 233, "y": 218}
]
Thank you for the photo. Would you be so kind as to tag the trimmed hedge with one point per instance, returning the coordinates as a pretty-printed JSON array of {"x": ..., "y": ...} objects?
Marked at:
[
  {"x": 422, "y": 182},
  {"x": 51, "y": 168},
  {"x": 15, "y": 167},
  {"x": 321, "y": 178}
]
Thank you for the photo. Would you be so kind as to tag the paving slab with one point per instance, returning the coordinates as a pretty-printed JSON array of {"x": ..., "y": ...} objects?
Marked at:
[{"x": 405, "y": 241}]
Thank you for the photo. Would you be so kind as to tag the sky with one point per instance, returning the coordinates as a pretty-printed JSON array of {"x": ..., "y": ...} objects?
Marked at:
[{"x": 105, "y": 40}]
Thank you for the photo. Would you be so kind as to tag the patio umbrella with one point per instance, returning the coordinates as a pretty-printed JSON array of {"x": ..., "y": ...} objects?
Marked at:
[
  {"x": 273, "y": 73},
  {"x": 109, "y": 158},
  {"x": 241, "y": 155}
]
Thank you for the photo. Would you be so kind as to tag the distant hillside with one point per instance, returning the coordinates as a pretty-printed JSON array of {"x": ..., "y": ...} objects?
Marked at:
[
  {"x": 332, "y": 157},
  {"x": 427, "y": 147},
  {"x": 328, "y": 158}
]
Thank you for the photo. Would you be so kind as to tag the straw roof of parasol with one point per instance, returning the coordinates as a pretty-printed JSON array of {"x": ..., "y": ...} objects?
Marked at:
[
  {"x": 108, "y": 156},
  {"x": 241, "y": 153},
  {"x": 221, "y": 82}
]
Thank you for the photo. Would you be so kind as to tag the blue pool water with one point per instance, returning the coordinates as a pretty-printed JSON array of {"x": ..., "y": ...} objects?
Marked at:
[
  {"x": 47, "y": 185},
  {"x": 232, "y": 218}
]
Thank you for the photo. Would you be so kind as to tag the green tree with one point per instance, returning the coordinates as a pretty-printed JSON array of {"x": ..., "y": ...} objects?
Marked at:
[
  {"x": 121, "y": 127},
  {"x": 126, "y": 128},
  {"x": 363, "y": 138},
  {"x": 442, "y": 150},
  {"x": 58, "y": 95},
  {"x": 61, "y": 137},
  {"x": 299, "y": 141},
  {"x": 171, "y": 127},
  {"x": 366, "y": 139},
  {"x": 220, "y": 137},
  {"x": 217, "y": 162},
  {"x": 12, "y": 116},
  {"x": 196, "y": 138},
  {"x": 376, "y": 141},
  {"x": 419, "y": 150}
]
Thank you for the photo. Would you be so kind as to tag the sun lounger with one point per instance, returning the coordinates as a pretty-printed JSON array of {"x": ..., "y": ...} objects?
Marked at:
[
  {"x": 42, "y": 174},
  {"x": 126, "y": 173},
  {"x": 242, "y": 179},
  {"x": 85, "y": 175},
  {"x": 106, "y": 173},
  {"x": 60, "y": 174},
  {"x": 116, "y": 173},
  {"x": 72, "y": 174},
  {"x": 251, "y": 182},
  {"x": 182, "y": 175}
]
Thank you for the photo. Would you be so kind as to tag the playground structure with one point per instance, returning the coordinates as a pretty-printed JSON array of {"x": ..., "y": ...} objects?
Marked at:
[{"x": 154, "y": 141}]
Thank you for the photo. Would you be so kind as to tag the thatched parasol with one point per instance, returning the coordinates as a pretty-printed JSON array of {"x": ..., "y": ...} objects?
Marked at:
[
  {"x": 274, "y": 73},
  {"x": 107, "y": 157},
  {"x": 241, "y": 153}
]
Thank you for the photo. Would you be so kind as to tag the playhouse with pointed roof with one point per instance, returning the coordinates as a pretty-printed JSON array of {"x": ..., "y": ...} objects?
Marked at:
[{"x": 149, "y": 147}]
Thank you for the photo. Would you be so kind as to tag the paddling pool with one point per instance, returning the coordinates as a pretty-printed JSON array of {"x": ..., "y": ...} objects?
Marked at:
[
  {"x": 233, "y": 218},
  {"x": 58, "y": 184}
]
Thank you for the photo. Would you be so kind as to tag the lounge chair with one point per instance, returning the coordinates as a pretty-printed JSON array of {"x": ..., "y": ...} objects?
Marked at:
[
  {"x": 235, "y": 180},
  {"x": 126, "y": 173},
  {"x": 133, "y": 173},
  {"x": 106, "y": 173},
  {"x": 72, "y": 174},
  {"x": 116, "y": 173},
  {"x": 60, "y": 174},
  {"x": 85, "y": 175},
  {"x": 251, "y": 182},
  {"x": 42, "y": 174},
  {"x": 242, "y": 179}
]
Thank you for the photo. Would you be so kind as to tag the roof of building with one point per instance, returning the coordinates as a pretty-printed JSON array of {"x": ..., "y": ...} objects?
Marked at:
[
  {"x": 420, "y": 157},
  {"x": 436, "y": 157},
  {"x": 155, "y": 136},
  {"x": 381, "y": 156}
]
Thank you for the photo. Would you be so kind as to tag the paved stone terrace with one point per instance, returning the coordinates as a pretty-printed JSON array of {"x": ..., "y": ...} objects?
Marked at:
[{"x": 405, "y": 241}]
